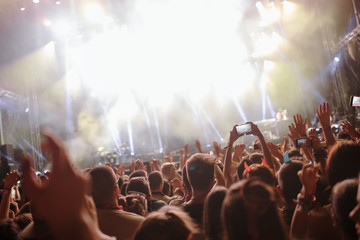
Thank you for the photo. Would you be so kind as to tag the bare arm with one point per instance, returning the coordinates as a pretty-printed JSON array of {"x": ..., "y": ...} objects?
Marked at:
[
  {"x": 228, "y": 157},
  {"x": 10, "y": 181},
  {"x": 324, "y": 118}
]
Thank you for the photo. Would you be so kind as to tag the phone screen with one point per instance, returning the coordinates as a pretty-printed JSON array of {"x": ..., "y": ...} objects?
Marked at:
[
  {"x": 302, "y": 142},
  {"x": 245, "y": 128},
  {"x": 355, "y": 101}
]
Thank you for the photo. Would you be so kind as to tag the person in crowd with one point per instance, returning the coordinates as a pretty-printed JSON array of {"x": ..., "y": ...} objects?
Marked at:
[
  {"x": 212, "y": 213},
  {"x": 249, "y": 212},
  {"x": 112, "y": 220},
  {"x": 156, "y": 185},
  {"x": 168, "y": 223},
  {"x": 9, "y": 230},
  {"x": 200, "y": 172},
  {"x": 343, "y": 199},
  {"x": 289, "y": 186},
  {"x": 140, "y": 186}
]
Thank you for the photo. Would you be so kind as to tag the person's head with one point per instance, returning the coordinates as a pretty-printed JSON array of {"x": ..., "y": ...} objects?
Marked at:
[
  {"x": 295, "y": 154},
  {"x": 344, "y": 136},
  {"x": 241, "y": 167},
  {"x": 166, "y": 187},
  {"x": 200, "y": 171},
  {"x": 249, "y": 212},
  {"x": 139, "y": 186},
  {"x": 256, "y": 146},
  {"x": 212, "y": 213},
  {"x": 343, "y": 200},
  {"x": 168, "y": 171},
  {"x": 263, "y": 172},
  {"x": 355, "y": 213},
  {"x": 136, "y": 203},
  {"x": 343, "y": 162},
  {"x": 23, "y": 220},
  {"x": 256, "y": 157},
  {"x": 155, "y": 181},
  {"x": 167, "y": 223},
  {"x": 139, "y": 173},
  {"x": 9, "y": 230},
  {"x": 123, "y": 188},
  {"x": 288, "y": 180},
  {"x": 104, "y": 185}
]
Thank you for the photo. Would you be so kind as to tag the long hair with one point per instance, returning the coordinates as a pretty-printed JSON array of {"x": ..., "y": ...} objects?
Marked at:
[{"x": 251, "y": 204}]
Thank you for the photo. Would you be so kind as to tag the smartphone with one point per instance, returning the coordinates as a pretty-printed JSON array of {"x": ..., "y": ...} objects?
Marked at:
[
  {"x": 303, "y": 142},
  {"x": 355, "y": 101},
  {"x": 242, "y": 129}
]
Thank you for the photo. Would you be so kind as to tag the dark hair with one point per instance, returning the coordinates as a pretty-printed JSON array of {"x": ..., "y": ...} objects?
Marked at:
[
  {"x": 343, "y": 199},
  {"x": 295, "y": 154},
  {"x": 120, "y": 182},
  {"x": 235, "y": 211},
  {"x": 212, "y": 213},
  {"x": 241, "y": 167},
  {"x": 263, "y": 172},
  {"x": 256, "y": 157},
  {"x": 103, "y": 181},
  {"x": 9, "y": 230},
  {"x": 155, "y": 180},
  {"x": 289, "y": 181},
  {"x": 343, "y": 162},
  {"x": 200, "y": 171},
  {"x": 139, "y": 173},
  {"x": 138, "y": 185},
  {"x": 123, "y": 188},
  {"x": 167, "y": 223},
  {"x": 23, "y": 220},
  {"x": 136, "y": 204}
]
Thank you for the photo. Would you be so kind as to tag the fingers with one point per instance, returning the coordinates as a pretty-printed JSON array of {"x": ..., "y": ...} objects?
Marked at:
[
  {"x": 52, "y": 144},
  {"x": 30, "y": 183}
]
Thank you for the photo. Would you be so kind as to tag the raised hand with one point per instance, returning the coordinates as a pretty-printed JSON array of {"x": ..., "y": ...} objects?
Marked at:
[
  {"x": 10, "y": 180},
  {"x": 324, "y": 114},
  {"x": 308, "y": 177},
  {"x": 198, "y": 146},
  {"x": 139, "y": 165},
  {"x": 63, "y": 199},
  {"x": 167, "y": 159},
  {"x": 300, "y": 125},
  {"x": 238, "y": 150},
  {"x": 348, "y": 128},
  {"x": 217, "y": 148}
]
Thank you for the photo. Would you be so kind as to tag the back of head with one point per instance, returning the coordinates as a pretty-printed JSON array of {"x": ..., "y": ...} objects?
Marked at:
[
  {"x": 289, "y": 181},
  {"x": 241, "y": 167},
  {"x": 256, "y": 157},
  {"x": 212, "y": 213},
  {"x": 295, "y": 154},
  {"x": 103, "y": 182},
  {"x": 155, "y": 181},
  {"x": 263, "y": 172},
  {"x": 343, "y": 162},
  {"x": 138, "y": 185},
  {"x": 343, "y": 199},
  {"x": 167, "y": 223},
  {"x": 200, "y": 171},
  {"x": 136, "y": 204},
  {"x": 255, "y": 199},
  {"x": 9, "y": 230},
  {"x": 23, "y": 220},
  {"x": 139, "y": 173}
]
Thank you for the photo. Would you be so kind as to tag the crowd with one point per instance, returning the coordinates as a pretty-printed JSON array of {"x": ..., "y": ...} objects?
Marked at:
[{"x": 274, "y": 191}]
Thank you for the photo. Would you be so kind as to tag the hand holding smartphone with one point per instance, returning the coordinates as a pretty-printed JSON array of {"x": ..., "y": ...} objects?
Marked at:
[{"x": 243, "y": 129}]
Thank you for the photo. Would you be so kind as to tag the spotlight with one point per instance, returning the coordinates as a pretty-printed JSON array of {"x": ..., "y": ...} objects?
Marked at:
[
  {"x": 36, "y": 1},
  {"x": 94, "y": 12},
  {"x": 22, "y": 9},
  {"x": 57, "y": 2},
  {"x": 27, "y": 110},
  {"x": 336, "y": 59},
  {"x": 47, "y": 23}
]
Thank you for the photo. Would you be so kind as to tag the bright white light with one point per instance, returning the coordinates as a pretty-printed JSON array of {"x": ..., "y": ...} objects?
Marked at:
[
  {"x": 337, "y": 59},
  {"x": 288, "y": 7},
  {"x": 47, "y": 23},
  {"x": 268, "y": 15},
  {"x": 22, "y": 9},
  {"x": 57, "y": 2},
  {"x": 36, "y": 1},
  {"x": 61, "y": 28},
  {"x": 94, "y": 12},
  {"x": 269, "y": 65}
]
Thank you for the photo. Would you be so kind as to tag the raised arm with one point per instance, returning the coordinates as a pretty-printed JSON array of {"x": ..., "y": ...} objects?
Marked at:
[
  {"x": 228, "y": 157},
  {"x": 198, "y": 146},
  {"x": 63, "y": 201},
  {"x": 324, "y": 118},
  {"x": 266, "y": 152},
  {"x": 10, "y": 180},
  {"x": 350, "y": 129},
  {"x": 299, "y": 223}
]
